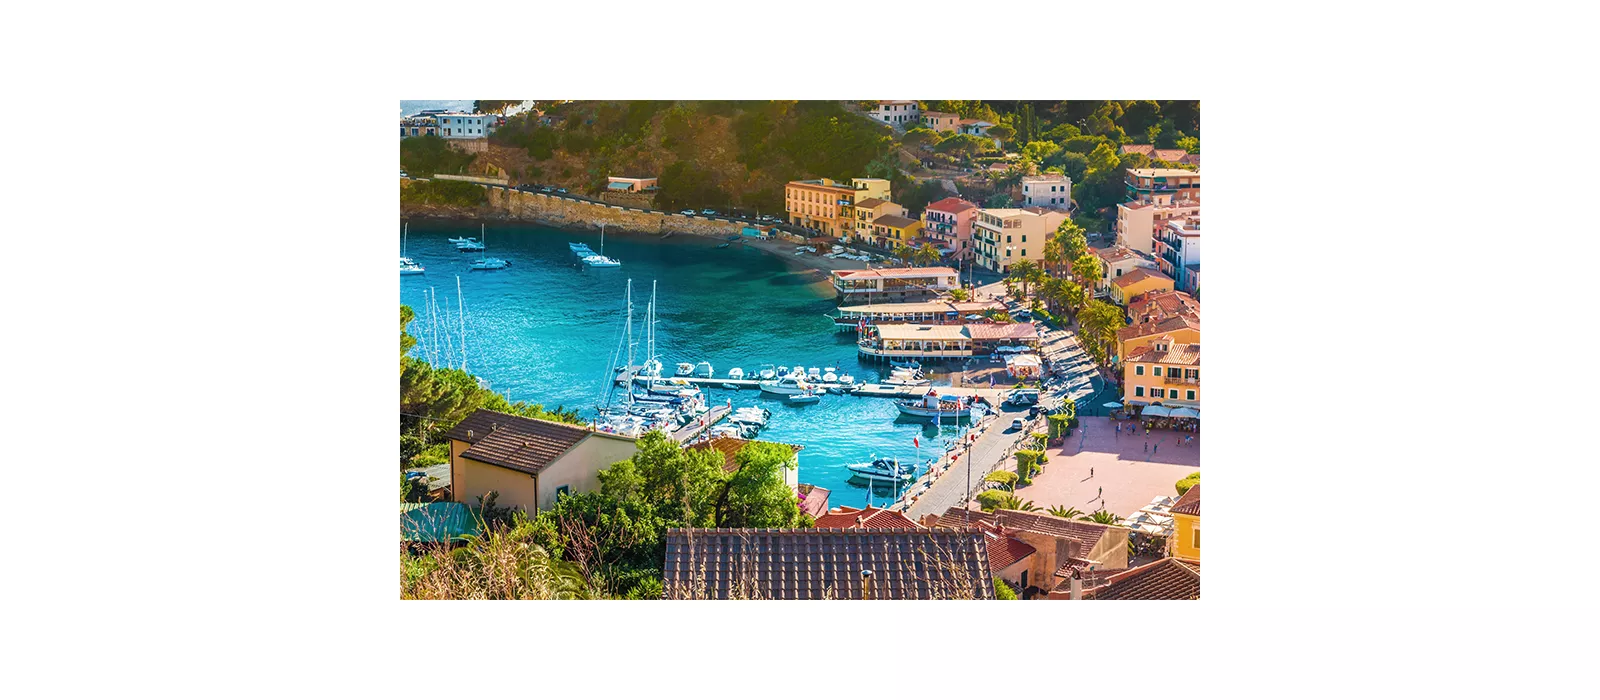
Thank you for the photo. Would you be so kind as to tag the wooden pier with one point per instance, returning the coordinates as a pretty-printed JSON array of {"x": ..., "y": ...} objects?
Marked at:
[
  {"x": 688, "y": 433},
  {"x": 882, "y": 391}
]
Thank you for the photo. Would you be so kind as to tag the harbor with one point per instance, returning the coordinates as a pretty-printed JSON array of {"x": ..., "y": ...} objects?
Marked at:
[{"x": 547, "y": 329}]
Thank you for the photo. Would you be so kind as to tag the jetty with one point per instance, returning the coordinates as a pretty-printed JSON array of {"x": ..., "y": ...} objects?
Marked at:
[
  {"x": 688, "y": 433},
  {"x": 882, "y": 391}
]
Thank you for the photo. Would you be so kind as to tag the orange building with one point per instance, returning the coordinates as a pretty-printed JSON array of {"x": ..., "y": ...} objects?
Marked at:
[
  {"x": 1165, "y": 371},
  {"x": 826, "y": 206}
]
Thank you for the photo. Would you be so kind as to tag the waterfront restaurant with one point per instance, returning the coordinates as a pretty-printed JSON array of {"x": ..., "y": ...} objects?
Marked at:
[
  {"x": 903, "y": 283},
  {"x": 938, "y": 312},
  {"x": 905, "y": 340},
  {"x": 989, "y": 337}
]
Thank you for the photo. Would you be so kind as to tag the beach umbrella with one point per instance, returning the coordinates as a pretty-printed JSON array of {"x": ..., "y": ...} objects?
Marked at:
[{"x": 1112, "y": 404}]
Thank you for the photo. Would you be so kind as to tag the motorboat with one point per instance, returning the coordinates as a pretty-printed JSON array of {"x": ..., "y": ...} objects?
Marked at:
[
  {"x": 767, "y": 372},
  {"x": 703, "y": 369},
  {"x": 410, "y": 267},
  {"x": 464, "y": 239},
  {"x": 830, "y": 374},
  {"x": 736, "y": 373},
  {"x": 470, "y": 247},
  {"x": 783, "y": 371},
  {"x": 881, "y": 469},
  {"x": 814, "y": 374},
  {"x": 730, "y": 386},
  {"x": 811, "y": 396},
  {"x": 907, "y": 365},
  {"x": 685, "y": 369},
  {"x": 728, "y": 430},
  {"x": 785, "y": 386},
  {"x": 582, "y": 249},
  {"x": 754, "y": 415},
  {"x": 906, "y": 377},
  {"x": 490, "y": 264},
  {"x": 847, "y": 379},
  {"x": 932, "y": 405},
  {"x": 651, "y": 369},
  {"x": 601, "y": 261}
]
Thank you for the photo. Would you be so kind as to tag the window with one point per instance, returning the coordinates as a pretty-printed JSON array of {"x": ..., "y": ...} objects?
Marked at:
[
  {"x": 1191, "y": 395},
  {"x": 1197, "y": 538},
  {"x": 1138, "y": 370},
  {"x": 562, "y": 490},
  {"x": 1138, "y": 391}
]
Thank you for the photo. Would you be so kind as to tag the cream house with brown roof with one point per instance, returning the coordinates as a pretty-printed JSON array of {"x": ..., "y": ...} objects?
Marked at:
[{"x": 528, "y": 462}]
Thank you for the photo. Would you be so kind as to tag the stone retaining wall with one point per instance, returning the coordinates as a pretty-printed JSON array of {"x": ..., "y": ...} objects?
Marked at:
[{"x": 516, "y": 205}]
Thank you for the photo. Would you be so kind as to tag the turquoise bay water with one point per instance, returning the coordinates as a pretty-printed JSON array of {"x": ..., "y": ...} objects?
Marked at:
[{"x": 545, "y": 329}]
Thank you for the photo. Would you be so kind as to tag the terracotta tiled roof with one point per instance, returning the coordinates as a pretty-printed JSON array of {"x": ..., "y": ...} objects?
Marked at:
[
  {"x": 1191, "y": 159},
  {"x": 1190, "y": 503},
  {"x": 890, "y": 271},
  {"x": 1175, "y": 354},
  {"x": 522, "y": 444},
  {"x": 1139, "y": 274},
  {"x": 730, "y": 446},
  {"x": 813, "y": 499},
  {"x": 1002, "y": 331},
  {"x": 956, "y": 516},
  {"x": 1171, "y": 155},
  {"x": 1160, "y": 304},
  {"x": 952, "y": 205},
  {"x": 1085, "y": 533},
  {"x": 1005, "y": 551},
  {"x": 847, "y": 518},
  {"x": 1116, "y": 253},
  {"x": 1144, "y": 148},
  {"x": 796, "y": 564},
  {"x": 1165, "y": 325},
  {"x": 1164, "y": 579},
  {"x": 893, "y": 221},
  {"x": 871, "y": 202}
]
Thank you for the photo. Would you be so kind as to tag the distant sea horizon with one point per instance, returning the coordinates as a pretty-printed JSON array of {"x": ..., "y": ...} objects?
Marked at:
[{"x": 410, "y": 107}]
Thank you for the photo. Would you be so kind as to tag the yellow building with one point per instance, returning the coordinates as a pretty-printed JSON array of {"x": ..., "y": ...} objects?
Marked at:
[
  {"x": 528, "y": 462},
  {"x": 1137, "y": 283},
  {"x": 1185, "y": 542},
  {"x": 891, "y": 229},
  {"x": 867, "y": 211},
  {"x": 1165, "y": 371},
  {"x": 1181, "y": 329},
  {"x": 826, "y": 206}
]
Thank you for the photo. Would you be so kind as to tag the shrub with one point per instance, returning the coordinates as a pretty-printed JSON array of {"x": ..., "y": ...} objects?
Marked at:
[
  {"x": 425, "y": 156},
  {"x": 444, "y": 192},
  {"x": 1028, "y": 465},
  {"x": 1003, "y": 478},
  {"x": 1002, "y": 591},
  {"x": 1187, "y": 483},
  {"x": 992, "y": 498},
  {"x": 1058, "y": 425}
]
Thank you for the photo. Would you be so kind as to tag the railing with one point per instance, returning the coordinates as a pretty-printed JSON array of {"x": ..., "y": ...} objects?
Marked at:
[
  {"x": 1181, "y": 381},
  {"x": 907, "y": 352}
]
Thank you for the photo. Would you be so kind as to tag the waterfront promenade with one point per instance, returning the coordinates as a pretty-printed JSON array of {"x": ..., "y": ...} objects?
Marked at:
[
  {"x": 949, "y": 488},
  {"x": 1126, "y": 473}
]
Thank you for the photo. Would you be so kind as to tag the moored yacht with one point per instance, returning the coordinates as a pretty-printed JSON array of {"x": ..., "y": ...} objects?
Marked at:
[
  {"x": 736, "y": 373},
  {"x": 932, "y": 405},
  {"x": 703, "y": 369},
  {"x": 785, "y": 386},
  {"x": 685, "y": 369},
  {"x": 881, "y": 469},
  {"x": 767, "y": 372}
]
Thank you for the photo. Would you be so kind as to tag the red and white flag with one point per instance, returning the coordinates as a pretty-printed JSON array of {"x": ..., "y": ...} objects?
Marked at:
[{"x": 915, "y": 443}]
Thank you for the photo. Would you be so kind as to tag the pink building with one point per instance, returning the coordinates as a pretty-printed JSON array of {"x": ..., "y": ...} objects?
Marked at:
[{"x": 948, "y": 223}]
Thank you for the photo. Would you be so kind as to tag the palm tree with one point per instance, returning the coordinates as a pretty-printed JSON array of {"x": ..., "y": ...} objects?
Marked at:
[
  {"x": 1012, "y": 502},
  {"x": 958, "y": 294},
  {"x": 1087, "y": 269},
  {"x": 1055, "y": 253},
  {"x": 927, "y": 254},
  {"x": 1065, "y": 511},
  {"x": 1101, "y": 516},
  {"x": 902, "y": 251},
  {"x": 1024, "y": 271},
  {"x": 1073, "y": 296}
]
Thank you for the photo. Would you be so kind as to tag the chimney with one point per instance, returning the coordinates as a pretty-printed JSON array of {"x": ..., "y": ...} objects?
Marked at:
[
  {"x": 1075, "y": 586},
  {"x": 866, "y": 584}
]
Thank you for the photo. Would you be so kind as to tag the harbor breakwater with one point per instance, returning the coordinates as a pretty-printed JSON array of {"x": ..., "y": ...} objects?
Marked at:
[{"x": 505, "y": 204}]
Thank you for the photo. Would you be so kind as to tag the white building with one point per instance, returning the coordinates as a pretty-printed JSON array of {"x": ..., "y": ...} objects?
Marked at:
[
  {"x": 900, "y": 113},
  {"x": 1001, "y": 237},
  {"x": 1178, "y": 252},
  {"x": 1051, "y": 191},
  {"x": 1117, "y": 261},
  {"x": 461, "y": 125}
]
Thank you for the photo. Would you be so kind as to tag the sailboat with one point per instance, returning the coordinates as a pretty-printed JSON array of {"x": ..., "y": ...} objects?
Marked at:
[
  {"x": 407, "y": 265},
  {"x": 488, "y": 263},
  {"x": 599, "y": 259}
]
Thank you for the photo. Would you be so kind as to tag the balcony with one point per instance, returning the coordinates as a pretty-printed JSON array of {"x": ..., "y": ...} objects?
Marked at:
[{"x": 1181, "y": 381}]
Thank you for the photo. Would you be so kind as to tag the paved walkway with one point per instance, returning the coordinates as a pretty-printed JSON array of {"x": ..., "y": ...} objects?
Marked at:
[
  {"x": 992, "y": 451},
  {"x": 1126, "y": 476}
]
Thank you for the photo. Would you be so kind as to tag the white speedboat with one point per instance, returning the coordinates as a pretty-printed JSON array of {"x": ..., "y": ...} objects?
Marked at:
[
  {"x": 651, "y": 369},
  {"x": 490, "y": 264},
  {"x": 846, "y": 379},
  {"x": 814, "y": 374},
  {"x": 601, "y": 261},
  {"x": 736, "y": 373},
  {"x": 703, "y": 369},
  {"x": 808, "y": 397},
  {"x": 754, "y": 415},
  {"x": 830, "y": 374},
  {"x": 582, "y": 249},
  {"x": 908, "y": 365},
  {"x": 470, "y": 247},
  {"x": 881, "y": 469},
  {"x": 767, "y": 372},
  {"x": 932, "y": 405},
  {"x": 786, "y": 386},
  {"x": 459, "y": 241},
  {"x": 783, "y": 371},
  {"x": 685, "y": 369},
  {"x": 410, "y": 267},
  {"x": 900, "y": 376}
]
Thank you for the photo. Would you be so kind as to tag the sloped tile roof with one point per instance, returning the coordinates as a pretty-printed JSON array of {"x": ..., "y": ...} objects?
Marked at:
[
  {"x": 1171, "y": 155},
  {"x": 870, "y": 202},
  {"x": 806, "y": 564},
  {"x": 1085, "y": 533},
  {"x": 1005, "y": 551},
  {"x": 522, "y": 444},
  {"x": 956, "y": 516},
  {"x": 1164, "y": 579},
  {"x": 952, "y": 205},
  {"x": 813, "y": 499},
  {"x": 1175, "y": 354},
  {"x": 1190, "y": 503},
  {"x": 847, "y": 518},
  {"x": 1002, "y": 331},
  {"x": 1144, "y": 148},
  {"x": 893, "y": 221},
  {"x": 1164, "y": 303},
  {"x": 1139, "y": 274},
  {"x": 1165, "y": 325}
]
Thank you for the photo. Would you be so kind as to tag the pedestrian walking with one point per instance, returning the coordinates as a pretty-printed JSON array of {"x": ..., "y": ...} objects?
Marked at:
[
  {"x": 1146, "y": 445},
  {"x": 1102, "y": 494},
  {"x": 1091, "y": 472},
  {"x": 1119, "y": 428}
]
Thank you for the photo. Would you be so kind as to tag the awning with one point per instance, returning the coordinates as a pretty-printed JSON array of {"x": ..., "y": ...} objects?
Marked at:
[
  {"x": 619, "y": 186},
  {"x": 1185, "y": 412},
  {"x": 1156, "y": 412}
]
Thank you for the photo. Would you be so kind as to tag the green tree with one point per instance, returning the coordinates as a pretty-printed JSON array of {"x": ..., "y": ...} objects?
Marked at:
[
  {"x": 1065, "y": 511},
  {"x": 684, "y": 484},
  {"x": 1002, "y": 591},
  {"x": 425, "y": 156},
  {"x": 927, "y": 254},
  {"x": 920, "y": 136},
  {"x": 1002, "y": 478},
  {"x": 1026, "y": 272},
  {"x": 963, "y": 145},
  {"x": 1187, "y": 483},
  {"x": 1190, "y": 144},
  {"x": 1086, "y": 268},
  {"x": 1002, "y": 131},
  {"x": 1102, "y": 517},
  {"x": 903, "y": 252},
  {"x": 1099, "y": 323},
  {"x": 1040, "y": 151},
  {"x": 757, "y": 495},
  {"x": 959, "y": 294},
  {"x": 1103, "y": 158}
]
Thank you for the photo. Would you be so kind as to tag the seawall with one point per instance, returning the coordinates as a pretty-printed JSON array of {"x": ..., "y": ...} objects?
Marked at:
[{"x": 506, "y": 204}]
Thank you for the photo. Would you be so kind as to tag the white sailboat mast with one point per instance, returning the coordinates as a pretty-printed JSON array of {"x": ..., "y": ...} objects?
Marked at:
[{"x": 461, "y": 311}]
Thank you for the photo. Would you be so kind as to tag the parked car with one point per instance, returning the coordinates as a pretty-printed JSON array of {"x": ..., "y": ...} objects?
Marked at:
[
  {"x": 546, "y": 190},
  {"x": 403, "y": 174},
  {"x": 687, "y": 212},
  {"x": 708, "y": 212},
  {"x": 562, "y": 190},
  {"x": 1016, "y": 424}
]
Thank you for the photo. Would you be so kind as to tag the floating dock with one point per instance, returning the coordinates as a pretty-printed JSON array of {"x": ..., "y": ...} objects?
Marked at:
[
  {"x": 886, "y": 391},
  {"x": 693, "y": 430}
]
